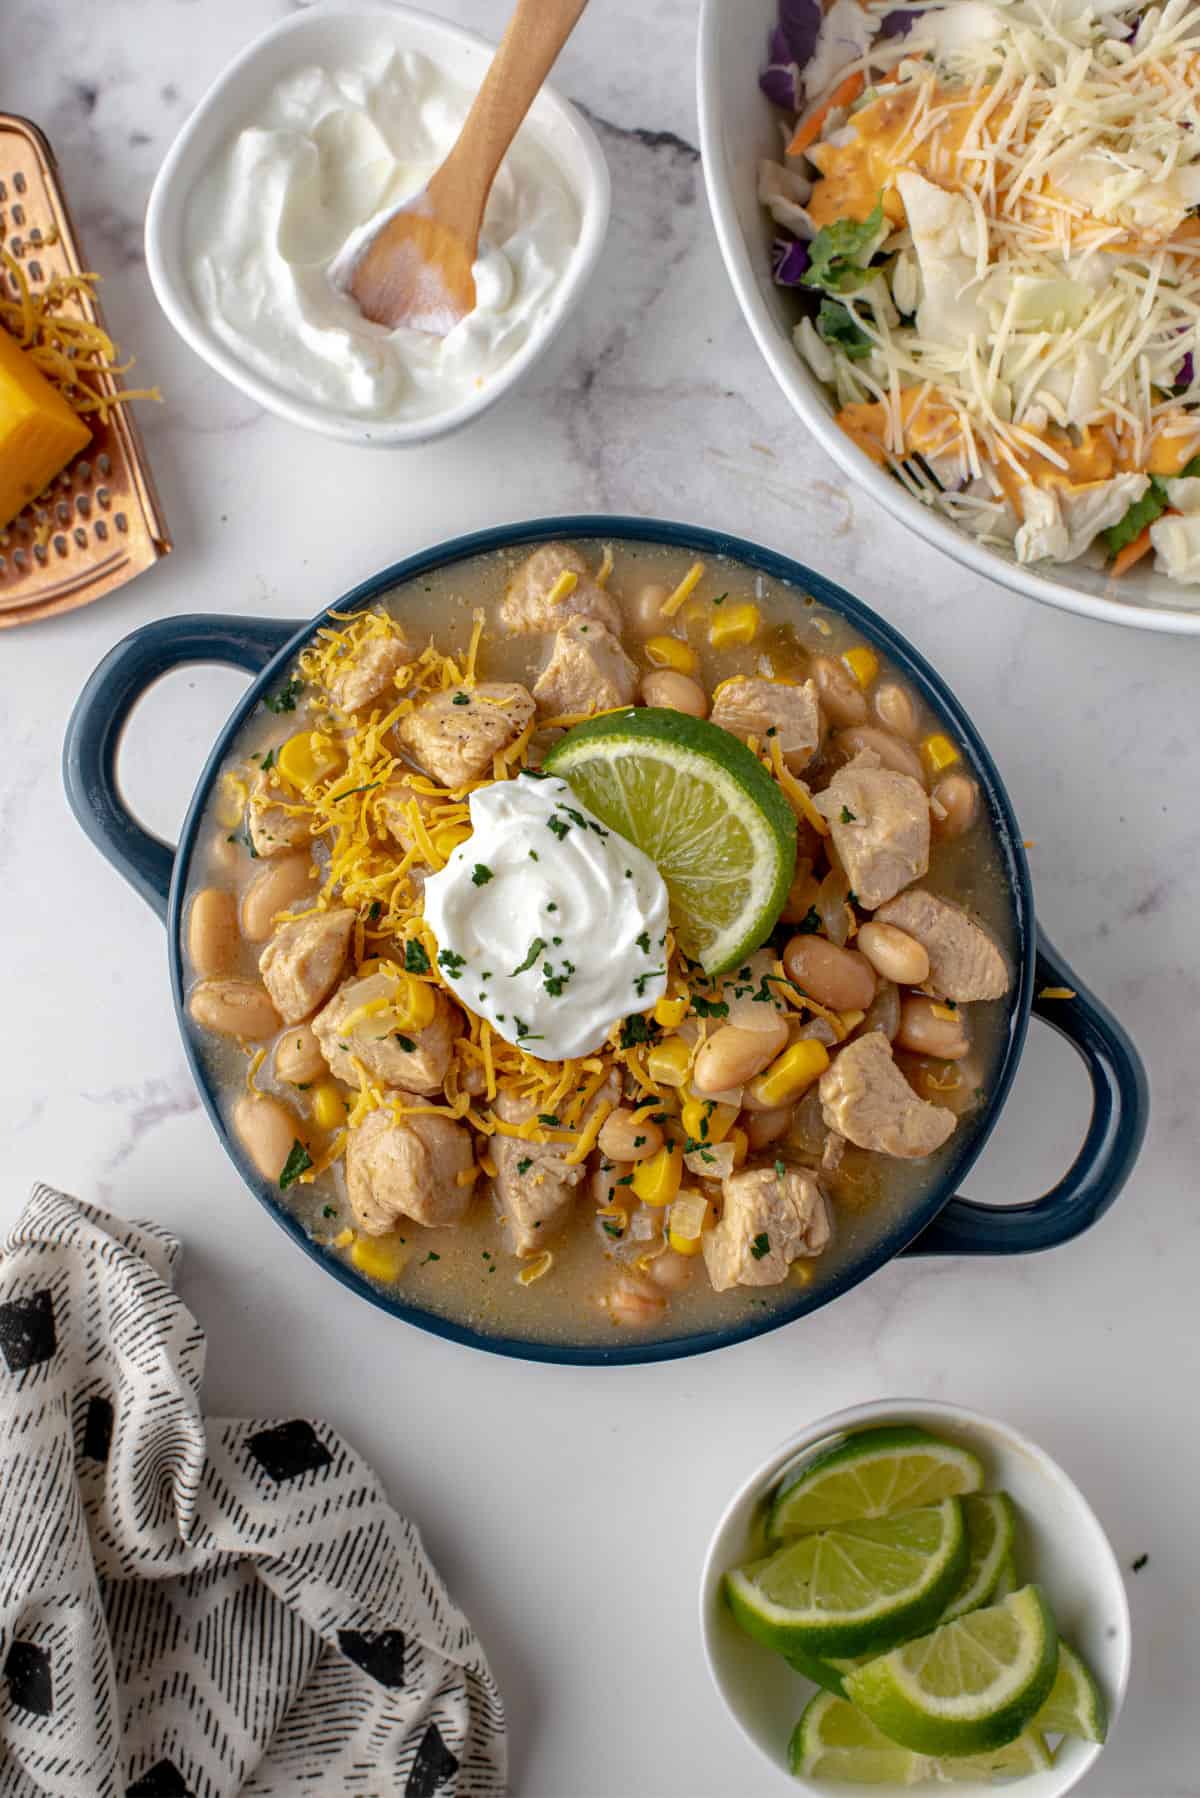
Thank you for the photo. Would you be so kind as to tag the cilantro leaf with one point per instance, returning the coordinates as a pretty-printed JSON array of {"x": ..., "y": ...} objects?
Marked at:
[
  {"x": 285, "y": 699},
  {"x": 416, "y": 961},
  {"x": 298, "y": 1162},
  {"x": 839, "y": 253},
  {"x": 535, "y": 949},
  {"x": 761, "y": 1245}
]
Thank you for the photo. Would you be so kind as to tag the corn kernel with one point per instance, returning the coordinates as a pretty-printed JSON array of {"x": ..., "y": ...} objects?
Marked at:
[
  {"x": 850, "y": 1020},
  {"x": 734, "y": 626},
  {"x": 447, "y": 839},
  {"x": 667, "y": 1063},
  {"x": 307, "y": 758},
  {"x": 790, "y": 1074},
  {"x": 740, "y": 1144},
  {"x": 947, "y": 1012},
  {"x": 381, "y": 1258},
  {"x": 328, "y": 1106},
  {"x": 939, "y": 753},
  {"x": 800, "y": 1273},
  {"x": 669, "y": 652},
  {"x": 862, "y": 663},
  {"x": 689, "y": 1217},
  {"x": 414, "y": 1005},
  {"x": 656, "y": 1180},
  {"x": 670, "y": 1013},
  {"x": 706, "y": 1121}
]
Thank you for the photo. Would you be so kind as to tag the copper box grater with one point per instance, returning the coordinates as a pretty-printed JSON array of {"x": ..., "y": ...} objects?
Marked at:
[{"x": 99, "y": 522}]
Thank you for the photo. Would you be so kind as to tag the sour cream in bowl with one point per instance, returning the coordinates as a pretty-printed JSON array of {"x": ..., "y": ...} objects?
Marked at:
[{"x": 308, "y": 142}]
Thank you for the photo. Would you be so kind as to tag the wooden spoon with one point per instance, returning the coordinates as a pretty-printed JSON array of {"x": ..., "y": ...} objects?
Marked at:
[{"x": 416, "y": 269}]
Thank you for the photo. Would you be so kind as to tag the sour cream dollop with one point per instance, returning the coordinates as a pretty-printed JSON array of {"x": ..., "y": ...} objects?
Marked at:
[
  {"x": 330, "y": 154},
  {"x": 549, "y": 924}
]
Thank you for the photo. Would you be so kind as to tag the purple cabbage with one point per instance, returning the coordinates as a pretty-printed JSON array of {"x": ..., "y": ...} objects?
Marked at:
[
  {"x": 898, "y": 23},
  {"x": 792, "y": 43},
  {"x": 789, "y": 259},
  {"x": 1185, "y": 374}
]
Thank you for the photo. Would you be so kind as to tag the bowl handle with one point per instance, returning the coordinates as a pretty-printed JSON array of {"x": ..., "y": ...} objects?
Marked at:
[
  {"x": 93, "y": 739},
  {"x": 1120, "y": 1108}
]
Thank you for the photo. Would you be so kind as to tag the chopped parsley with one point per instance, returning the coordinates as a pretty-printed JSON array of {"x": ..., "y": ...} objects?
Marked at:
[
  {"x": 525, "y": 1163},
  {"x": 720, "y": 599},
  {"x": 298, "y": 1162},
  {"x": 634, "y": 1030},
  {"x": 780, "y": 1169},
  {"x": 405, "y": 1042},
  {"x": 452, "y": 962},
  {"x": 555, "y": 983},
  {"x": 638, "y": 1141},
  {"x": 849, "y": 817},
  {"x": 559, "y": 826},
  {"x": 329, "y": 1211},
  {"x": 709, "y": 1008},
  {"x": 639, "y": 980},
  {"x": 810, "y": 923},
  {"x": 376, "y": 911},
  {"x": 432, "y": 1256},
  {"x": 268, "y": 760},
  {"x": 761, "y": 1245},
  {"x": 549, "y": 1118},
  {"x": 643, "y": 942},
  {"x": 480, "y": 875},
  {"x": 551, "y": 905},
  {"x": 533, "y": 855},
  {"x": 534, "y": 950},
  {"x": 461, "y": 699},
  {"x": 416, "y": 961},
  {"x": 285, "y": 699},
  {"x": 371, "y": 784},
  {"x": 246, "y": 840},
  {"x": 523, "y": 1030},
  {"x": 611, "y": 1227},
  {"x": 625, "y": 1180}
]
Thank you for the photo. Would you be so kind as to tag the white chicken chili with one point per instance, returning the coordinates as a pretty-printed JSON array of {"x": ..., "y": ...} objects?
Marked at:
[
  {"x": 549, "y": 925},
  {"x": 599, "y": 1136}
]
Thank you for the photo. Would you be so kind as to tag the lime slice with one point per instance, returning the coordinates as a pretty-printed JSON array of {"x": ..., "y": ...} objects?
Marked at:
[
  {"x": 834, "y": 1741},
  {"x": 971, "y": 1685},
  {"x": 695, "y": 800},
  {"x": 857, "y": 1589},
  {"x": 991, "y": 1526},
  {"x": 1006, "y": 1585},
  {"x": 1076, "y": 1704},
  {"x": 825, "y": 1670},
  {"x": 873, "y": 1474}
]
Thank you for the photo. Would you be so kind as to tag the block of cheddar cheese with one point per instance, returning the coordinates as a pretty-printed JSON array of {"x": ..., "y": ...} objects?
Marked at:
[{"x": 39, "y": 433}]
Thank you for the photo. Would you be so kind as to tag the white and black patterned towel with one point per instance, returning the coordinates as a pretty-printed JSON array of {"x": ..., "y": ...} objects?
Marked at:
[{"x": 201, "y": 1606}]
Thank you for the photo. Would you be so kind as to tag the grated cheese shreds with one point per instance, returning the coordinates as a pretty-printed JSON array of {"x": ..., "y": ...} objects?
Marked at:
[
  {"x": 77, "y": 357},
  {"x": 1054, "y": 339}
]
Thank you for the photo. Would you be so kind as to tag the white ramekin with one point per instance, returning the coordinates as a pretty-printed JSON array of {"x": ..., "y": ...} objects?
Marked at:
[
  {"x": 1060, "y": 1543},
  {"x": 332, "y": 33}
]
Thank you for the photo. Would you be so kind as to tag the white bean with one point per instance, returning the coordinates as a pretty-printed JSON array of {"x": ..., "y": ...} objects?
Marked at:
[
  {"x": 267, "y": 1130},
  {"x": 273, "y": 890},
  {"x": 893, "y": 953},
  {"x": 731, "y": 1056},
  {"x": 896, "y": 710},
  {"x": 842, "y": 699},
  {"x": 925, "y": 1033},
  {"x": 234, "y": 1007},
  {"x": 892, "y": 751},
  {"x": 626, "y": 1137},
  {"x": 298, "y": 1057},
  {"x": 213, "y": 932},
  {"x": 678, "y": 692}
]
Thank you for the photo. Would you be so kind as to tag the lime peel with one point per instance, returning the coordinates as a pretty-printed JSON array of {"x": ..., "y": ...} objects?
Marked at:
[{"x": 873, "y": 1473}]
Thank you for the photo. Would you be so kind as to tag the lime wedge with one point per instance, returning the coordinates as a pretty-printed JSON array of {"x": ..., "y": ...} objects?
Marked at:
[
  {"x": 857, "y": 1589},
  {"x": 970, "y": 1686},
  {"x": 1076, "y": 1704},
  {"x": 825, "y": 1671},
  {"x": 873, "y": 1474},
  {"x": 1006, "y": 1585},
  {"x": 695, "y": 800},
  {"x": 834, "y": 1741},
  {"x": 991, "y": 1526}
]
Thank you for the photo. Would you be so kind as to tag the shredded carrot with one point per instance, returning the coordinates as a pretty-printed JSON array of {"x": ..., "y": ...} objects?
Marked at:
[
  {"x": 1132, "y": 552},
  {"x": 809, "y": 129}
]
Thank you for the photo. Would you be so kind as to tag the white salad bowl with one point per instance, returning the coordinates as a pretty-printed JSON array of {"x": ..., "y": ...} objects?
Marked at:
[
  {"x": 738, "y": 127},
  {"x": 334, "y": 33},
  {"x": 1060, "y": 1544}
]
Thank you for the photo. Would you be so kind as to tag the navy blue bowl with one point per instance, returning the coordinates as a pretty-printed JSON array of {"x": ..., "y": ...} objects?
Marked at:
[{"x": 939, "y": 1224}]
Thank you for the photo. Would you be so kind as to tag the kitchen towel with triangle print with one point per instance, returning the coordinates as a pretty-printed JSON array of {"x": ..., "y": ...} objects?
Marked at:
[{"x": 199, "y": 1607}]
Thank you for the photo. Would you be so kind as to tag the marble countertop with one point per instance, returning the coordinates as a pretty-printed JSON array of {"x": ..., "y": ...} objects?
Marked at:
[{"x": 569, "y": 1509}]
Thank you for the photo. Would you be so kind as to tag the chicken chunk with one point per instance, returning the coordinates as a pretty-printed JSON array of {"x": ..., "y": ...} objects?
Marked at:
[
  {"x": 527, "y": 606},
  {"x": 273, "y": 829},
  {"x": 301, "y": 963},
  {"x": 454, "y": 735},
  {"x": 770, "y": 1218},
  {"x": 965, "y": 962},
  {"x": 879, "y": 821},
  {"x": 588, "y": 671},
  {"x": 415, "y": 1167},
  {"x": 865, "y": 1098},
  {"x": 369, "y": 676},
  {"x": 360, "y": 1024},
  {"x": 753, "y": 708},
  {"x": 534, "y": 1182}
]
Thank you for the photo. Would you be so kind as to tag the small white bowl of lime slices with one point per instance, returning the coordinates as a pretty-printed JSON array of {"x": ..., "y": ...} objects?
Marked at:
[{"x": 956, "y": 1607}]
